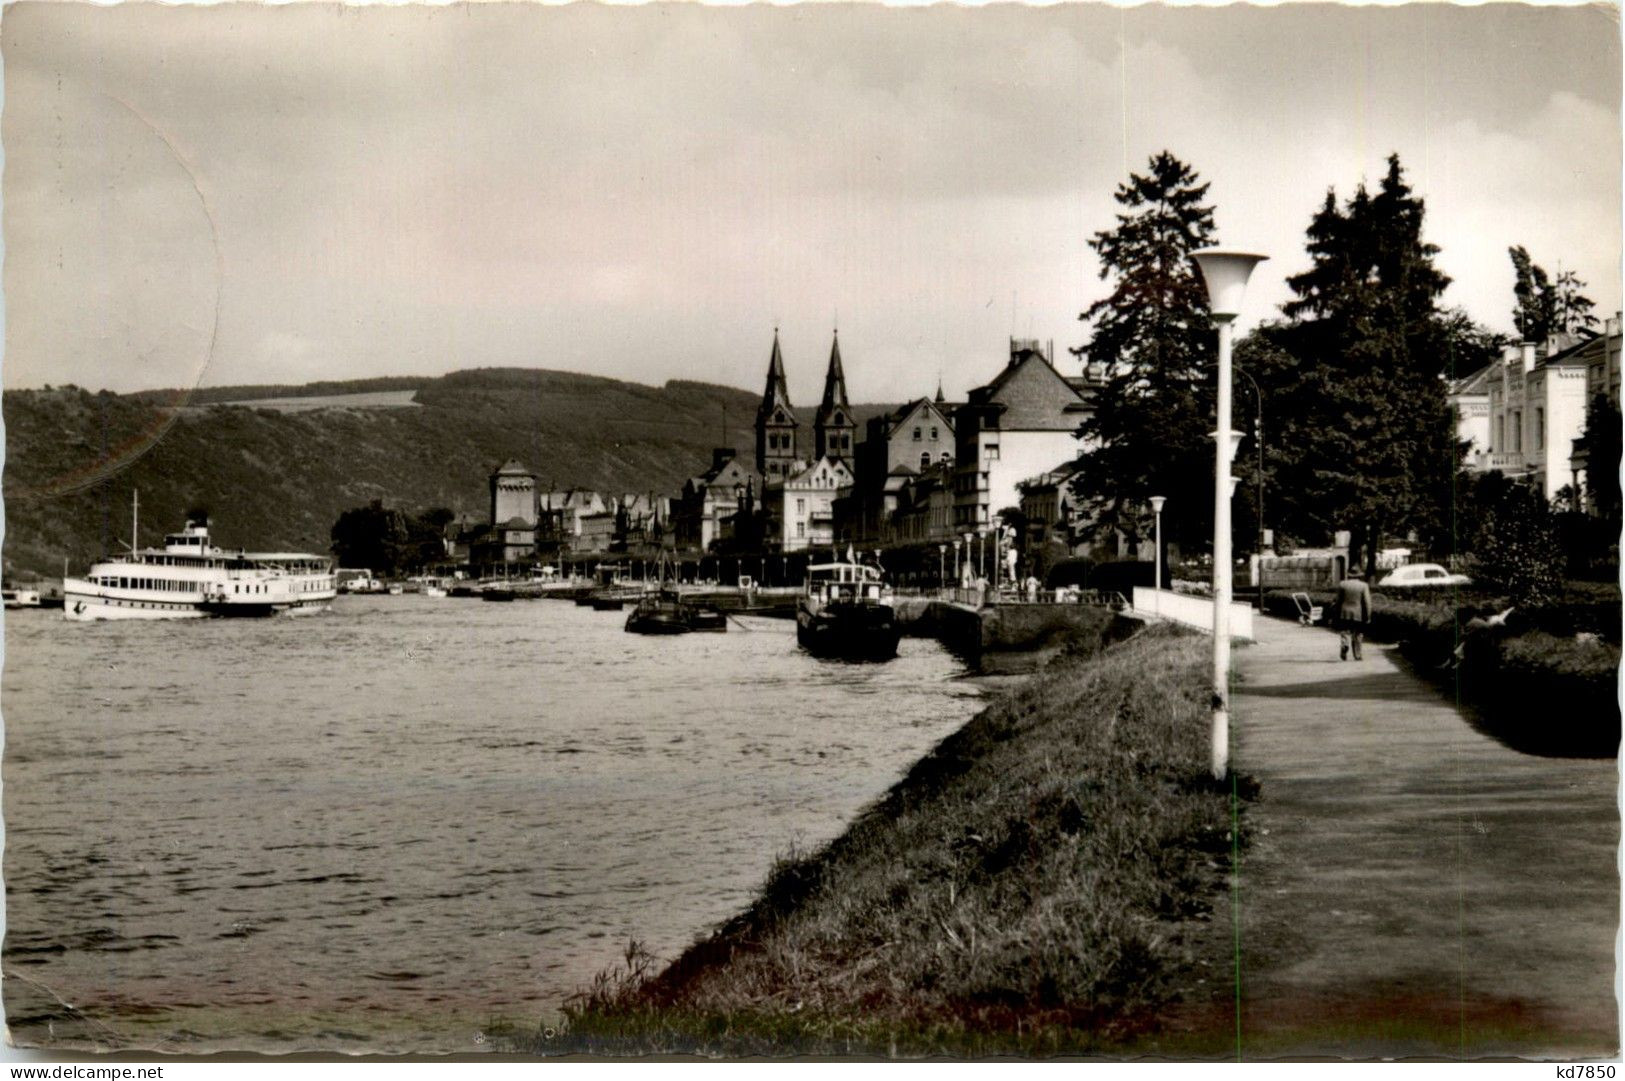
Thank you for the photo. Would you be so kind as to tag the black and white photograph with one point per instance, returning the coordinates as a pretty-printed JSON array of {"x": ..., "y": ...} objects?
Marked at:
[{"x": 818, "y": 531}]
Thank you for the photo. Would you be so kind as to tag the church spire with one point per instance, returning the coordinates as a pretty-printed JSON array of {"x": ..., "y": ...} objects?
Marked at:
[
  {"x": 777, "y": 394},
  {"x": 833, "y": 425},
  {"x": 775, "y": 421}
]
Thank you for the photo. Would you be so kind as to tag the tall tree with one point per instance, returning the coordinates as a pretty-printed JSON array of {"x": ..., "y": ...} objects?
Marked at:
[
  {"x": 1544, "y": 307},
  {"x": 1363, "y": 439},
  {"x": 1152, "y": 344},
  {"x": 1604, "y": 447}
]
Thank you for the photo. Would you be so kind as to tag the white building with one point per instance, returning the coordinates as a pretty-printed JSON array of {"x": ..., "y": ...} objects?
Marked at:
[
  {"x": 1022, "y": 424},
  {"x": 801, "y": 508},
  {"x": 1537, "y": 408}
]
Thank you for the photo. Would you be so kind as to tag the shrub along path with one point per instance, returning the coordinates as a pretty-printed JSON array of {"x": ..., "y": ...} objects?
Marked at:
[{"x": 1412, "y": 886}]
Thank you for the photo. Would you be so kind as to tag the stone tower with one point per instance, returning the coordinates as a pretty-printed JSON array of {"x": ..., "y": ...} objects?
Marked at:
[
  {"x": 513, "y": 494},
  {"x": 833, "y": 426},
  {"x": 775, "y": 422}
]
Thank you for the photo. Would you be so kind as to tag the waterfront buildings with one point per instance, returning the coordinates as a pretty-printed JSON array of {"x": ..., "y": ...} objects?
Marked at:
[{"x": 1021, "y": 424}]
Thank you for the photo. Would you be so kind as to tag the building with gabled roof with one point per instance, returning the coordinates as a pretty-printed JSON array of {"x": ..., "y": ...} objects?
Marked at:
[{"x": 1021, "y": 424}]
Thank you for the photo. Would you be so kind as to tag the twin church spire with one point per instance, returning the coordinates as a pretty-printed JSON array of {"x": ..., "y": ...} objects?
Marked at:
[{"x": 776, "y": 424}]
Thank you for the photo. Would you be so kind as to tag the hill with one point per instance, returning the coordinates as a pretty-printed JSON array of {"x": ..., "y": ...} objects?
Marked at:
[{"x": 278, "y": 480}]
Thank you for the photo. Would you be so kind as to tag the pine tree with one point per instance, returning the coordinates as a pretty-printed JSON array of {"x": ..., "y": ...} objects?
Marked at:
[
  {"x": 1364, "y": 439},
  {"x": 1545, "y": 307},
  {"x": 1152, "y": 342}
]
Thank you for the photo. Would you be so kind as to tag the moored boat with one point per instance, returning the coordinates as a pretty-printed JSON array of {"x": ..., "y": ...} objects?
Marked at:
[
  {"x": 846, "y": 613},
  {"x": 189, "y": 578},
  {"x": 659, "y": 613},
  {"x": 15, "y": 597}
]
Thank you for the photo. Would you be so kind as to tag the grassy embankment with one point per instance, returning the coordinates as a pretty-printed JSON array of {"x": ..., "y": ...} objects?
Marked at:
[{"x": 1051, "y": 879}]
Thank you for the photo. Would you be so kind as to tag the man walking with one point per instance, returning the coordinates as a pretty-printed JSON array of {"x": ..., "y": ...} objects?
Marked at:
[{"x": 1353, "y": 612}]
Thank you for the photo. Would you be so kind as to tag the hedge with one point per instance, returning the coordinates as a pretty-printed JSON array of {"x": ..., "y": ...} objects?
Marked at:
[{"x": 1544, "y": 681}]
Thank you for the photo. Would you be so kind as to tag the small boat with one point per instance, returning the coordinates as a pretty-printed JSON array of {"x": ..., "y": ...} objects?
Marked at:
[
  {"x": 433, "y": 591},
  {"x": 495, "y": 592},
  {"x": 846, "y": 612},
  {"x": 665, "y": 612},
  {"x": 703, "y": 617},
  {"x": 20, "y": 598},
  {"x": 396, "y": 589}
]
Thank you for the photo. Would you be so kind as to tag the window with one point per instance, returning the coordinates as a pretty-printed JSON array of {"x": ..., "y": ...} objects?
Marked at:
[
  {"x": 1517, "y": 432},
  {"x": 947, "y": 456},
  {"x": 1540, "y": 428},
  {"x": 933, "y": 432},
  {"x": 778, "y": 417},
  {"x": 991, "y": 452},
  {"x": 801, "y": 529},
  {"x": 916, "y": 435},
  {"x": 801, "y": 506},
  {"x": 925, "y": 461}
]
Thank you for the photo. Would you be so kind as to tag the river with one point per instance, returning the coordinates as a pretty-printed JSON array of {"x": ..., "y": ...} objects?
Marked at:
[{"x": 388, "y": 826}]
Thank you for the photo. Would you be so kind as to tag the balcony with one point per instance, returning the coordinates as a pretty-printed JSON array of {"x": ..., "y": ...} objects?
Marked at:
[{"x": 1508, "y": 462}]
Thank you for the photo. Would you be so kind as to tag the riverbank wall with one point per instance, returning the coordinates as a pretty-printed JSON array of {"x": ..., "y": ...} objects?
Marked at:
[
  {"x": 1013, "y": 636},
  {"x": 1044, "y": 881}
]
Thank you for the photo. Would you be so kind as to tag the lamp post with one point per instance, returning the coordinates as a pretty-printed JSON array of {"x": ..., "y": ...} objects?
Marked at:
[
  {"x": 942, "y": 565},
  {"x": 958, "y": 573},
  {"x": 1156, "y": 508},
  {"x": 1226, "y": 274}
]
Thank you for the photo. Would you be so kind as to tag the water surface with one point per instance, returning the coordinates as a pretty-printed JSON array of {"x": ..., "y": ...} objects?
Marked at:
[{"x": 388, "y": 826}]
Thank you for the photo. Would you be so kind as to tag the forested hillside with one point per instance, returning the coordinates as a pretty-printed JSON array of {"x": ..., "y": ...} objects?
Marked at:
[{"x": 279, "y": 480}]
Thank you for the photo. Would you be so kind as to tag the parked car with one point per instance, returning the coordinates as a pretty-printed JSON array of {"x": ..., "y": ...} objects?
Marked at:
[{"x": 1421, "y": 574}]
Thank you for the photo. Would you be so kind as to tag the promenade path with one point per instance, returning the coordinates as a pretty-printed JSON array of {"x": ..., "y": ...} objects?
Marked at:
[{"x": 1412, "y": 886}]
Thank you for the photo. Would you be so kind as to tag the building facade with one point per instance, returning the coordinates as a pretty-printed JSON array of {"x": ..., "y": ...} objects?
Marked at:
[
  {"x": 1537, "y": 409},
  {"x": 1022, "y": 424}
]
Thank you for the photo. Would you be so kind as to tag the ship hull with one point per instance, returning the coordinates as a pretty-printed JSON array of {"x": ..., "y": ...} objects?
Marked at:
[{"x": 867, "y": 632}]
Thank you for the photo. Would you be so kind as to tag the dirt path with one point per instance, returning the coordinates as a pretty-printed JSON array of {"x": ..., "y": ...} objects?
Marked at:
[{"x": 1414, "y": 887}]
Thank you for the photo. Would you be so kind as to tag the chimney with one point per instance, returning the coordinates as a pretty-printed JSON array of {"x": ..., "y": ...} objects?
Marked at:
[
  {"x": 1527, "y": 349},
  {"x": 721, "y": 456}
]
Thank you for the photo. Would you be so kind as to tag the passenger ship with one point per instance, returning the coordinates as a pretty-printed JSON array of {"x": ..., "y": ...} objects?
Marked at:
[{"x": 188, "y": 578}]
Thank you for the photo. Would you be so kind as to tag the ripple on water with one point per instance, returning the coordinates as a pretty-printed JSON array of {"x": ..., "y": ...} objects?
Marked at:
[{"x": 352, "y": 816}]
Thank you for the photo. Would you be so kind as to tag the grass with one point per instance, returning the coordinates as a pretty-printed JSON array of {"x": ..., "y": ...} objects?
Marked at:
[{"x": 1045, "y": 881}]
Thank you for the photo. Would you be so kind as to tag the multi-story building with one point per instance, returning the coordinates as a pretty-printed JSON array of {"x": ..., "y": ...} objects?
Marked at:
[
  {"x": 1537, "y": 407},
  {"x": 1601, "y": 358},
  {"x": 801, "y": 508},
  {"x": 1022, "y": 424},
  {"x": 897, "y": 448},
  {"x": 711, "y": 497},
  {"x": 1049, "y": 508}
]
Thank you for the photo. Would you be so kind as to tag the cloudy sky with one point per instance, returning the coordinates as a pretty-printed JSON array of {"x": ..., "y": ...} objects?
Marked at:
[{"x": 281, "y": 194}]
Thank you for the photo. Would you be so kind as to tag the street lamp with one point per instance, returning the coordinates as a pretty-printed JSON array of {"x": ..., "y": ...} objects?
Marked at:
[
  {"x": 1156, "y": 508},
  {"x": 1226, "y": 274},
  {"x": 942, "y": 564},
  {"x": 958, "y": 573},
  {"x": 1258, "y": 437}
]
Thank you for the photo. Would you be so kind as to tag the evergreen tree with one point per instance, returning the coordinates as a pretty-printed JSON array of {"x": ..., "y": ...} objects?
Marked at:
[
  {"x": 1152, "y": 342},
  {"x": 1545, "y": 307},
  {"x": 1362, "y": 437},
  {"x": 1603, "y": 450}
]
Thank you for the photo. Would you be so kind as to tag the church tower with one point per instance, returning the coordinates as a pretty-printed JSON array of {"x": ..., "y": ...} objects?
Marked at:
[
  {"x": 775, "y": 422},
  {"x": 833, "y": 426}
]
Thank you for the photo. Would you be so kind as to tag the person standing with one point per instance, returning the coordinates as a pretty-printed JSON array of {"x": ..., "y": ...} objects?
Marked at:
[{"x": 1353, "y": 613}]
